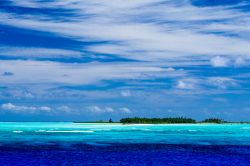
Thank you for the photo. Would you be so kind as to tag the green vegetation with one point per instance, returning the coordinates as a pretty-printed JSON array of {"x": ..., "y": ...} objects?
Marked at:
[
  {"x": 110, "y": 120},
  {"x": 169, "y": 120},
  {"x": 213, "y": 120},
  {"x": 156, "y": 120}
]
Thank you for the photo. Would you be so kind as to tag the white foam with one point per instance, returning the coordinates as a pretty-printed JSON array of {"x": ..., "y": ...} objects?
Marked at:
[
  {"x": 17, "y": 131},
  {"x": 245, "y": 128},
  {"x": 69, "y": 131},
  {"x": 102, "y": 129},
  {"x": 40, "y": 131},
  {"x": 140, "y": 124}
]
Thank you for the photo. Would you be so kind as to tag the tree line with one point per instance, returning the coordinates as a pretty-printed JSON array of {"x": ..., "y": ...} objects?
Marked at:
[{"x": 175, "y": 120}]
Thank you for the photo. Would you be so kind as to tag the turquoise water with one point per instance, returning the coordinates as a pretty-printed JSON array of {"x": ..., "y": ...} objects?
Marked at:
[
  {"x": 200, "y": 134},
  {"x": 53, "y": 144}
]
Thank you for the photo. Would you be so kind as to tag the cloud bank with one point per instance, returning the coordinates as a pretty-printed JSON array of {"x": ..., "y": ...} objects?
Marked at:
[{"x": 134, "y": 57}]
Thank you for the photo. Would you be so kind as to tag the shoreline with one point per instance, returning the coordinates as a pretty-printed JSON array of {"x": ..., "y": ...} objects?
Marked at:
[
  {"x": 118, "y": 123},
  {"x": 146, "y": 124}
]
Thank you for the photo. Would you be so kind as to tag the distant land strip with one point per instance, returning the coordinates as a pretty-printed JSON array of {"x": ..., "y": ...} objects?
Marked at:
[{"x": 169, "y": 120}]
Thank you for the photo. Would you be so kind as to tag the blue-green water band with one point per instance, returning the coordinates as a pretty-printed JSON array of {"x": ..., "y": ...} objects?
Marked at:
[{"x": 66, "y": 132}]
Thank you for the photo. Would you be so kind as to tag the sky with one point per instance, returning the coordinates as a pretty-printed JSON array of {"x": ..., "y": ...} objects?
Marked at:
[{"x": 99, "y": 59}]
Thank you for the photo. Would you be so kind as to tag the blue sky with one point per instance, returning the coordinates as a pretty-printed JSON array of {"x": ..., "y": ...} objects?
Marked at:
[{"x": 96, "y": 59}]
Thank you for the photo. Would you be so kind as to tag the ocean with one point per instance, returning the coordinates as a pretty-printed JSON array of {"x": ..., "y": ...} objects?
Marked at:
[{"x": 66, "y": 143}]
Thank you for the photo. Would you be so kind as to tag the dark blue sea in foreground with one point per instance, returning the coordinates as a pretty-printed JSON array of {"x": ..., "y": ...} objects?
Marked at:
[{"x": 101, "y": 144}]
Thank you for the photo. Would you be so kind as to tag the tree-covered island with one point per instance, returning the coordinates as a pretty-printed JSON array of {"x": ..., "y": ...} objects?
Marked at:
[
  {"x": 214, "y": 120},
  {"x": 156, "y": 120},
  {"x": 168, "y": 120}
]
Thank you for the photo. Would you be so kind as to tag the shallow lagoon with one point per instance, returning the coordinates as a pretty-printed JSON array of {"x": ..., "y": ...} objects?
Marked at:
[
  {"x": 51, "y": 143},
  {"x": 199, "y": 134}
]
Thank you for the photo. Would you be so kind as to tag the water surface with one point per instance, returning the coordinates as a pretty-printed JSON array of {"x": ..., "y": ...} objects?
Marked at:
[{"x": 59, "y": 143}]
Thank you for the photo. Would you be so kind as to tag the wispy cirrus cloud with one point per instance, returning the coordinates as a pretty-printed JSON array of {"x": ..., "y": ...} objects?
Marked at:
[
  {"x": 160, "y": 29},
  {"x": 79, "y": 74},
  {"x": 123, "y": 56},
  {"x": 38, "y": 53}
]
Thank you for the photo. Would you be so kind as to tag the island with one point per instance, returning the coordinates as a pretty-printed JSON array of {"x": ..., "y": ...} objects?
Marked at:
[
  {"x": 156, "y": 120},
  {"x": 167, "y": 120}
]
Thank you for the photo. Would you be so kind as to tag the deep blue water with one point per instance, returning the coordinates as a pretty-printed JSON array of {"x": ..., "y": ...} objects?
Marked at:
[
  {"x": 96, "y": 144},
  {"x": 127, "y": 154}
]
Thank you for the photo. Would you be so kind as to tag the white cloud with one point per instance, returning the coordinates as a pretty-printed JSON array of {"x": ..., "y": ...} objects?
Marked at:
[
  {"x": 33, "y": 52},
  {"x": 188, "y": 83},
  {"x": 46, "y": 109},
  {"x": 125, "y": 110},
  {"x": 8, "y": 106},
  {"x": 126, "y": 93},
  {"x": 97, "y": 109},
  {"x": 240, "y": 61},
  {"x": 44, "y": 72},
  {"x": 206, "y": 83},
  {"x": 145, "y": 29},
  {"x": 222, "y": 82},
  {"x": 170, "y": 69},
  {"x": 24, "y": 109},
  {"x": 158, "y": 33},
  {"x": 220, "y": 61},
  {"x": 27, "y": 95},
  {"x": 108, "y": 109},
  {"x": 37, "y": 109},
  {"x": 65, "y": 109}
]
